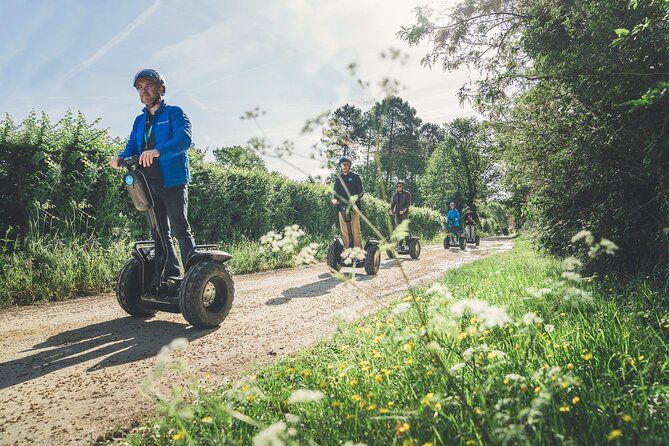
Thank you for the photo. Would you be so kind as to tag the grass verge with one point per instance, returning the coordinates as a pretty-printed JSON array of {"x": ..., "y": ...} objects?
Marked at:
[{"x": 514, "y": 352}]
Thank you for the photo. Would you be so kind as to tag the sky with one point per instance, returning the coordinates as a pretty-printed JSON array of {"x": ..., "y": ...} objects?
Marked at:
[{"x": 220, "y": 58}]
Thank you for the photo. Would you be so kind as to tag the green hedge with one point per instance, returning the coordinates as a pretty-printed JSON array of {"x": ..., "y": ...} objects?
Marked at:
[{"x": 228, "y": 204}]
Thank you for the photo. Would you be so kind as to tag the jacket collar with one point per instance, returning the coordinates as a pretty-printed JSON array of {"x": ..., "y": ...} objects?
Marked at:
[{"x": 159, "y": 110}]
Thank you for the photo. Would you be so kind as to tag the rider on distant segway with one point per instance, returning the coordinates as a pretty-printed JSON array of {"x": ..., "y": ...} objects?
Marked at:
[
  {"x": 347, "y": 185},
  {"x": 399, "y": 207},
  {"x": 453, "y": 223}
]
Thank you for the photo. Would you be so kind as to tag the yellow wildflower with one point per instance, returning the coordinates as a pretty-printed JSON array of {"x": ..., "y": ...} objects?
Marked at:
[
  {"x": 356, "y": 397},
  {"x": 378, "y": 378},
  {"x": 461, "y": 336},
  {"x": 378, "y": 338},
  {"x": 179, "y": 436},
  {"x": 523, "y": 387},
  {"x": 306, "y": 373},
  {"x": 391, "y": 403},
  {"x": 353, "y": 382},
  {"x": 427, "y": 444},
  {"x": 429, "y": 372},
  {"x": 251, "y": 397},
  {"x": 537, "y": 389},
  {"x": 614, "y": 434},
  {"x": 402, "y": 428},
  {"x": 564, "y": 409},
  {"x": 371, "y": 407},
  {"x": 575, "y": 400},
  {"x": 408, "y": 361},
  {"x": 570, "y": 366},
  {"x": 470, "y": 442},
  {"x": 473, "y": 320},
  {"x": 336, "y": 404},
  {"x": 383, "y": 410},
  {"x": 477, "y": 411},
  {"x": 627, "y": 418},
  {"x": 323, "y": 385},
  {"x": 408, "y": 442},
  {"x": 207, "y": 420},
  {"x": 408, "y": 347},
  {"x": 437, "y": 406},
  {"x": 376, "y": 354},
  {"x": 587, "y": 356},
  {"x": 492, "y": 355}
]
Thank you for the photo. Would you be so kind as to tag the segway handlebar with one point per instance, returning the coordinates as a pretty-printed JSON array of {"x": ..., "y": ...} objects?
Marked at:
[{"x": 129, "y": 161}]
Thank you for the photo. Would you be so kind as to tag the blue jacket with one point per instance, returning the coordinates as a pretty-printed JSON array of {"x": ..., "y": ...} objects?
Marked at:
[
  {"x": 454, "y": 216},
  {"x": 172, "y": 133}
]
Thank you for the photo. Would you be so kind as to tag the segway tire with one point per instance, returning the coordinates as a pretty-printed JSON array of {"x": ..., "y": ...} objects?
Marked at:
[
  {"x": 414, "y": 248},
  {"x": 334, "y": 256},
  {"x": 206, "y": 294},
  {"x": 463, "y": 243},
  {"x": 477, "y": 240},
  {"x": 372, "y": 260},
  {"x": 129, "y": 291}
]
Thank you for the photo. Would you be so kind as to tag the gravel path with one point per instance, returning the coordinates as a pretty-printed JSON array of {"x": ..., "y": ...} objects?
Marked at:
[{"x": 71, "y": 371}]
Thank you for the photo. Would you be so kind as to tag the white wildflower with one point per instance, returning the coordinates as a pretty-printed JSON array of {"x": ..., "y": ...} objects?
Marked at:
[
  {"x": 571, "y": 263},
  {"x": 549, "y": 328},
  {"x": 350, "y": 255},
  {"x": 272, "y": 436},
  {"x": 307, "y": 255},
  {"x": 610, "y": 248},
  {"x": 440, "y": 290},
  {"x": 570, "y": 275},
  {"x": 515, "y": 377},
  {"x": 305, "y": 396},
  {"x": 531, "y": 319},
  {"x": 457, "y": 367},
  {"x": 584, "y": 235},
  {"x": 401, "y": 308},
  {"x": 488, "y": 315}
]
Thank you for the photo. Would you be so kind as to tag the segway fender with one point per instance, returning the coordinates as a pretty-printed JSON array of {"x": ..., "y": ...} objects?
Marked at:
[
  {"x": 371, "y": 242},
  {"x": 199, "y": 256}
]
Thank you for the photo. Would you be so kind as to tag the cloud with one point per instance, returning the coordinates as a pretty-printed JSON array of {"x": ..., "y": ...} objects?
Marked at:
[{"x": 121, "y": 36}]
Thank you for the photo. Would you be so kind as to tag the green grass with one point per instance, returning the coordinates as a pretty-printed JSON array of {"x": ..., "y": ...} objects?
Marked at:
[{"x": 388, "y": 379}]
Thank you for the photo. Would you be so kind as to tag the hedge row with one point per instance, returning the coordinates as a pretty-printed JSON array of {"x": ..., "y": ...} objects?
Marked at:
[{"x": 228, "y": 203}]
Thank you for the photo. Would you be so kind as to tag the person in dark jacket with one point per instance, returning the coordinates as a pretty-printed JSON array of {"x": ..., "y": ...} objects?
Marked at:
[
  {"x": 161, "y": 136},
  {"x": 470, "y": 219},
  {"x": 399, "y": 206},
  {"x": 348, "y": 184}
]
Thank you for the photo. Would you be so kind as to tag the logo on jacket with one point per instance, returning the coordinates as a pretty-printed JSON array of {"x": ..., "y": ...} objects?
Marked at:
[
  {"x": 129, "y": 179},
  {"x": 349, "y": 179}
]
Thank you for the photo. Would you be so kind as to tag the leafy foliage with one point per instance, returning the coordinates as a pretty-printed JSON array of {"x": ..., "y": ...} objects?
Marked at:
[
  {"x": 241, "y": 157},
  {"x": 577, "y": 94}
]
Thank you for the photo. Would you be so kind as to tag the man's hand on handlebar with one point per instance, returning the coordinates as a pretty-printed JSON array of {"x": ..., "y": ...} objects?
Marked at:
[
  {"x": 116, "y": 162},
  {"x": 146, "y": 158},
  {"x": 334, "y": 201}
]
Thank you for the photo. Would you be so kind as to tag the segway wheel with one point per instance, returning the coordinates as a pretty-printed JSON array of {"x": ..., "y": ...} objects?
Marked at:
[
  {"x": 463, "y": 243},
  {"x": 372, "y": 260},
  {"x": 334, "y": 256},
  {"x": 414, "y": 248},
  {"x": 206, "y": 294},
  {"x": 477, "y": 240},
  {"x": 447, "y": 242},
  {"x": 129, "y": 290}
]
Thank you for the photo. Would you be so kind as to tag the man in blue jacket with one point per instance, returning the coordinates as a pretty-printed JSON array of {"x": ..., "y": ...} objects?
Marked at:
[{"x": 161, "y": 136}]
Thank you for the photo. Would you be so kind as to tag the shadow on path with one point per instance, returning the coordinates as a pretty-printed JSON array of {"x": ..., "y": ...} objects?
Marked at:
[
  {"x": 118, "y": 341},
  {"x": 320, "y": 288}
]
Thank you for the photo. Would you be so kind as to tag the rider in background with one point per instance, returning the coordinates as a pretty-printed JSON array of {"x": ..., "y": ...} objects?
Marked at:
[
  {"x": 348, "y": 184},
  {"x": 399, "y": 206},
  {"x": 453, "y": 220},
  {"x": 471, "y": 219}
]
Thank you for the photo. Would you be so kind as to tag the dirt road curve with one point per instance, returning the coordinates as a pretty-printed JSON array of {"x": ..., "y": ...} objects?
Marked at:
[{"x": 71, "y": 371}]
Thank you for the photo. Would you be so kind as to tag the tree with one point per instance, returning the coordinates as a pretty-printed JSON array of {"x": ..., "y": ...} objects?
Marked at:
[
  {"x": 577, "y": 93},
  {"x": 343, "y": 133},
  {"x": 460, "y": 167},
  {"x": 239, "y": 156}
]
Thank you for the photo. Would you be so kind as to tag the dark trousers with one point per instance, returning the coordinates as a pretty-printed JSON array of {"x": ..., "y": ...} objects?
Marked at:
[{"x": 171, "y": 206}]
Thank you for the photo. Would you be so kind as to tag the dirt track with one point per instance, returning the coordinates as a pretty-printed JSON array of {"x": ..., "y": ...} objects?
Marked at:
[{"x": 71, "y": 371}]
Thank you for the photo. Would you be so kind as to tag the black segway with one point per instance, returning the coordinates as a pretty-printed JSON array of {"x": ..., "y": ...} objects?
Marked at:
[
  {"x": 454, "y": 238},
  {"x": 372, "y": 261},
  {"x": 412, "y": 248},
  {"x": 204, "y": 295}
]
